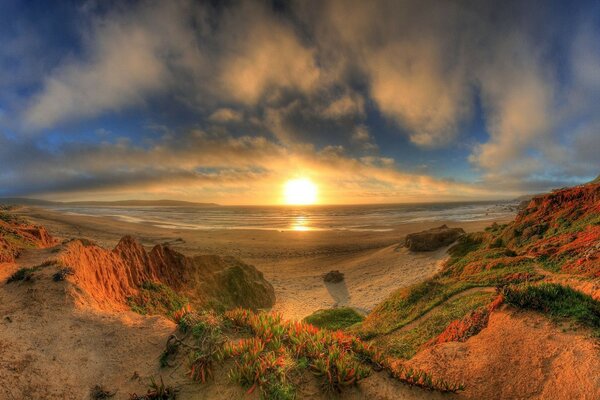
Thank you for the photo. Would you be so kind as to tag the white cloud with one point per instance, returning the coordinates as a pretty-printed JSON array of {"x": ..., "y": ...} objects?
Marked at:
[
  {"x": 126, "y": 57},
  {"x": 225, "y": 115}
]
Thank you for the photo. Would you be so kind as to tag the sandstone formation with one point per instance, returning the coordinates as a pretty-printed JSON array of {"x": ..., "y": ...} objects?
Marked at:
[
  {"x": 433, "y": 239},
  {"x": 109, "y": 277}
]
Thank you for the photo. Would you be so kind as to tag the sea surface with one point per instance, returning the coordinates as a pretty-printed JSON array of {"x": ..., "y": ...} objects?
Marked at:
[{"x": 304, "y": 218}]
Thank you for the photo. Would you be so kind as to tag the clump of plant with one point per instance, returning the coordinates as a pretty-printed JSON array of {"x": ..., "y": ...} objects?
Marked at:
[
  {"x": 62, "y": 274},
  {"x": 98, "y": 392},
  {"x": 157, "y": 391},
  {"x": 557, "y": 301},
  {"x": 203, "y": 338},
  {"x": 258, "y": 366},
  {"x": 279, "y": 344},
  {"x": 156, "y": 298},
  {"x": 23, "y": 274},
  {"x": 335, "y": 318},
  {"x": 421, "y": 378}
]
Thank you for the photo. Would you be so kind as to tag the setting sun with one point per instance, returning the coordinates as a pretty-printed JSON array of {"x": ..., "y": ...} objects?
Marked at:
[{"x": 300, "y": 191}]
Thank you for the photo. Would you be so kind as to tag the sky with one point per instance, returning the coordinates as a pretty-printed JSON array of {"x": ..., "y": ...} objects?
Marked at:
[{"x": 226, "y": 101}]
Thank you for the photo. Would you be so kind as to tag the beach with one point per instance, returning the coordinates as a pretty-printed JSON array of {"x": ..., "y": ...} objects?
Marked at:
[{"x": 374, "y": 262}]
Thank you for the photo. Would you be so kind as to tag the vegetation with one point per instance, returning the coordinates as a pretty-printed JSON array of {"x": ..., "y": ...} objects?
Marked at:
[
  {"x": 23, "y": 274},
  {"x": 98, "y": 392},
  {"x": 405, "y": 343},
  {"x": 557, "y": 232},
  {"x": 157, "y": 391},
  {"x": 407, "y": 304},
  {"x": 156, "y": 298},
  {"x": 272, "y": 355},
  {"x": 62, "y": 274},
  {"x": 335, "y": 318},
  {"x": 556, "y": 300}
]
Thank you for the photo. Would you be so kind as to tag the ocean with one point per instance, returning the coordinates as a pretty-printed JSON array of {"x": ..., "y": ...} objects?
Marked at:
[{"x": 302, "y": 218}]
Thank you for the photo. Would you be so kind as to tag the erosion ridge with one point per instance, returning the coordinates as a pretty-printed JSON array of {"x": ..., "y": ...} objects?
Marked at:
[
  {"x": 110, "y": 277},
  {"x": 17, "y": 234}
]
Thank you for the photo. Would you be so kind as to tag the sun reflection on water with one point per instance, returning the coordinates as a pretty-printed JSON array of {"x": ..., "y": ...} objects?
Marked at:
[{"x": 300, "y": 223}]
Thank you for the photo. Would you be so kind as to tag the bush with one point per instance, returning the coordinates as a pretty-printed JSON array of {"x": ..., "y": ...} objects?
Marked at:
[
  {"x": 335, "y": 318},
  {"x": 556, "y": 300}
]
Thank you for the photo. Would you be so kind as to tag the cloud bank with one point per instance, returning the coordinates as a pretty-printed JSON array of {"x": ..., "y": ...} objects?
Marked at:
[{"x": 279, "y": 83}]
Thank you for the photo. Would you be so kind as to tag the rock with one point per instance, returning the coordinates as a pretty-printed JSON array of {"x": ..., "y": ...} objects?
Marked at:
[
  {"x": 433, "y": 239},
  {"x": 334, "y": 276}
]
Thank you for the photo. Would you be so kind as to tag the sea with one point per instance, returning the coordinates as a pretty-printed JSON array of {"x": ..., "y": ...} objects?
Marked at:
[{"x": 302, "y": 218}]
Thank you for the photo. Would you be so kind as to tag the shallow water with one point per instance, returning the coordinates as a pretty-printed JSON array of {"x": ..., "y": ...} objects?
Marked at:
[{"x": 350, "y": 217}]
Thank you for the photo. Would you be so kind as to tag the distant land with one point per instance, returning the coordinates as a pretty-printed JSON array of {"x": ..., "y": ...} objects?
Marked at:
[{"x": 119, "y": 203}]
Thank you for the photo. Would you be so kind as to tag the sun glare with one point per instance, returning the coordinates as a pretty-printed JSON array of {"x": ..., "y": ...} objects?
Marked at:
[{"x": 300, "y": 191}]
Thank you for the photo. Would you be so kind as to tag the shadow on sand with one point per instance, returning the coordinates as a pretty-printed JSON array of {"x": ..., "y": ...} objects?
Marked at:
[{"x": 339, "y": 293}]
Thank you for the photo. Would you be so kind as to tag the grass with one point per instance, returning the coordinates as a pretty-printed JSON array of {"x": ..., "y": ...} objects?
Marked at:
[
  {"x": 466, "y": 244},
  {"x": 558, "y": 301},
  {"x": 156, "y": 298},
  {"x": 406, "y": 343},
  {"x": 407, "y": 304},
  {"x": 335, "y": 318},
  {"x": 23, "y": 274},
  {"x": 157, "y": 391}
]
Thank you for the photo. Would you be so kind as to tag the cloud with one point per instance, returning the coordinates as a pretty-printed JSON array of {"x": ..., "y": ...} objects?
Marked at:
[
  {"x": 262, "y": 52},
  {"x": 127, "y": 56},
  {"x": 316, "y": 85},
  {"x": 243, "y": 169},
  {"x": 225, "y": 115},
  {"x": 518, "y": 98},
  {"x": 348, "y": 105}
]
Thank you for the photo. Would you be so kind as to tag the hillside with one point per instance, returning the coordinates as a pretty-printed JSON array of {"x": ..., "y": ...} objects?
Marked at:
[{"x": 483, "y": 320}]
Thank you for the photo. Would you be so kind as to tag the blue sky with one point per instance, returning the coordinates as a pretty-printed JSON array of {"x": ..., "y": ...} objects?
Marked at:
[{"x": 381, "y": 101}]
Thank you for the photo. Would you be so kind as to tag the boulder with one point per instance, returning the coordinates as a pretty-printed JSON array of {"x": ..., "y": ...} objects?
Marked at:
[
  {"x": 334, "y": 276},
  {"x": 433, "y": 239}
]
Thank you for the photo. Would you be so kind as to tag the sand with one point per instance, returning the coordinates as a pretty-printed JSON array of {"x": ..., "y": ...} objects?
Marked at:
[
  {"x": 374, "y": 263},
  {"x": 520, "y": 355}
]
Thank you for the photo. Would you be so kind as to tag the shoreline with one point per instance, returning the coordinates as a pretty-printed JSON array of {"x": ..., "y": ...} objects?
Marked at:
[{"x": 374, "y": 263}]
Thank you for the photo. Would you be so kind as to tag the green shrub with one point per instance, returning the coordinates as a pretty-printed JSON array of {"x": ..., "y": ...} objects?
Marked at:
[
  {"x": 156, "y": 298},
  {"x": 556, "y": 300},
  {"x": 335, "y": 318},
  {"x": 466, "y": 244}
]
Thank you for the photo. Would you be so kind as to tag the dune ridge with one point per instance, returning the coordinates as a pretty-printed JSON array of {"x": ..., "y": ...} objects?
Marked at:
[{"x": 111, "y": 277}]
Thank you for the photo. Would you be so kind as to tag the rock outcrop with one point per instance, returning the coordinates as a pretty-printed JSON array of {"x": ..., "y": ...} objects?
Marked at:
[
  {"x": 433, "y": 239},
  {"x": 109, "y": 277},
  {"x": 17, "y": 234}
]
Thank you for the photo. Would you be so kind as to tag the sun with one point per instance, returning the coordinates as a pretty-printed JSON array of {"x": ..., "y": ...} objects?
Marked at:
[{"x": 301, "y": 191}]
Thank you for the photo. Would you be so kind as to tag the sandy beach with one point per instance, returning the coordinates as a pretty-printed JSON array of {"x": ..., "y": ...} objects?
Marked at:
[{"x": 374, "y": 263}]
